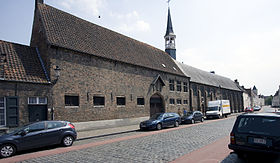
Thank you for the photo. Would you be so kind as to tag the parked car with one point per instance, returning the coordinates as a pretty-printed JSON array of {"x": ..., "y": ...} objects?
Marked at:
[
  {"x": 256, "y": 133},
  {"x": 249, "y": 110},
  {"x": 161, "y": 120},
  {"x": 257, "y": 108},
  {"x": 192, "y": 117},
  {"x": 38, "y": 134}
]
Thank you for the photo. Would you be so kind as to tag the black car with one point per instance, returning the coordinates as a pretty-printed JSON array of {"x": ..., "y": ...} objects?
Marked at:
[
  {"x": 38, "y": 134},
  {"x": 161, "y": 120},
  {"x": 256, "y": 133},
  {"x": 192, "y": 117}
]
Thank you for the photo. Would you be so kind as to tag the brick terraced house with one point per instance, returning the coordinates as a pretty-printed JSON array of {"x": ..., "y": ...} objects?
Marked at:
[{"x": 78, "y": 71}]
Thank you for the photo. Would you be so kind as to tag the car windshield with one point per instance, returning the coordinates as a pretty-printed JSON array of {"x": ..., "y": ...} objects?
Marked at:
[
  {"x": 214, "y": 108},
  {"x": 189, "y": 113},
  {"x": 16, "y": 130},
  {"x": 156, "y": 116},
  {"x": 260, "y": 125}
]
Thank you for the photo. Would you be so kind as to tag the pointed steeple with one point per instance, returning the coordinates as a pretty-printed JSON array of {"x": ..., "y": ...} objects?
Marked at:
[
  {"x": 169, "y": 29},
  {"x": 170, "y": 37}
]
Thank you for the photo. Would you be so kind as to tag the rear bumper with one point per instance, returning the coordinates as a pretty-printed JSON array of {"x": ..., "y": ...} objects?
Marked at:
[{"x": 250, "y": 149}]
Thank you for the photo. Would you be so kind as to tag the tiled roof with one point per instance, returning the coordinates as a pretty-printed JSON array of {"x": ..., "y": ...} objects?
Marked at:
[
  {"x": 20, "y": 63},
  {"x": 68, "y": 31},
  {"x": 207, "y": 78}
]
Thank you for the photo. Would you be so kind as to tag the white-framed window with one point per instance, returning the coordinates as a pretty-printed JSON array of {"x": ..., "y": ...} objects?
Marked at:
[
  {"x": 37, "y": 100},
  {"x": 2, "y": 111},
  {"x": 99, "y": 101}
]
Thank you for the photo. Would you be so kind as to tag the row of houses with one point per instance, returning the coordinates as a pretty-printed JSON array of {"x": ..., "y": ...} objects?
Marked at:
[
  {"x": 78, "y": 71},
  {"x": 276, "y": 99}
]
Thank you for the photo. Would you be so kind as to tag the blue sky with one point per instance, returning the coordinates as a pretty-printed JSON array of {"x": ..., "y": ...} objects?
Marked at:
[{"x": 239, "y": 39}]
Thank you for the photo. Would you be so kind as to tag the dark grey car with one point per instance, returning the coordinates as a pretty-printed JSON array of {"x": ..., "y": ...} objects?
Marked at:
[
  {"x": 38, "y": 134},
  {"x": 256, "y": 133}
]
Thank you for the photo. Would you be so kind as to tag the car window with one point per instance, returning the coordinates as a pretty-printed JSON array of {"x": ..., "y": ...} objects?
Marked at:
[
  {"x": 35, "y": 127},
  {"x": 51, "y": 125},
  {"x": 259, "y": 125}
]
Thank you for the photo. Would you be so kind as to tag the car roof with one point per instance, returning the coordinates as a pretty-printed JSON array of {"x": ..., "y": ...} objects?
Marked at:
[{"x": 260, "y": 115}]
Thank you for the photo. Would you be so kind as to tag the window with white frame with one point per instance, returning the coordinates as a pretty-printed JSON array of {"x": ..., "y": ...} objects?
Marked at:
[
  {"x": 37, "y": 100},
  {"x": 2, "y": 112}
]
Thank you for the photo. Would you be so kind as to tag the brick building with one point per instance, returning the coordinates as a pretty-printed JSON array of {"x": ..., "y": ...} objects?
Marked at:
[{"x": 78, "y": 71}]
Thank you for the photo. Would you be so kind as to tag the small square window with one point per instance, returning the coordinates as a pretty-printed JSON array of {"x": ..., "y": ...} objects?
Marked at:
[
  {"x": 140, "y": 101},
  {"x": 32, "y": 100},
  {"x": 98, "y": 101},
  {"x": 71, "y": 100},
  {"x": 179, "y": 101},
  {"x": 171, "y": 101},
  {"x": 42, "y": 100},
  {"x": 121, "y": 101},
  {"x": 185, "y": 101}
]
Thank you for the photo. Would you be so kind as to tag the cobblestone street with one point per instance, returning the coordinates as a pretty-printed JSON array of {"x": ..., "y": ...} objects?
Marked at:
[{"x": 159, "y": 147}]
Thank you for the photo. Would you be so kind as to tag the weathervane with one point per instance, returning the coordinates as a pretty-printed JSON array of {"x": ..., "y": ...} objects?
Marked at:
[{"x": 168, "y": 2}]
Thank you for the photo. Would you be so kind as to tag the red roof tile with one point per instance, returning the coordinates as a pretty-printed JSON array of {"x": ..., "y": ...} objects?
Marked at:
[{"x": 20, "y": 63}]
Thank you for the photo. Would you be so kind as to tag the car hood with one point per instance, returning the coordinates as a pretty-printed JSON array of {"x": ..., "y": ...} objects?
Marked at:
[
  {"x": 187, "y": 117},
  {"x": 5, "y": 137},
  {"x": 149, "y": 121}
]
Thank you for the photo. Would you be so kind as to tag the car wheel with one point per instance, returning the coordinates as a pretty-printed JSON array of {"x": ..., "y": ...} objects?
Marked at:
[
  {"x": 67, "y": 141},
  {"x": 7, "y": 150},
  {"x": 192, "y": 121},
  {"x": 159, "y": 127},
  {"x": 202, "y": 119},
  {"x": 176, "y": 124}
]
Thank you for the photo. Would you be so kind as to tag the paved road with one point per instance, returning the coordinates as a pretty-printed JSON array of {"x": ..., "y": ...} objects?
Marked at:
[
  {"x": 232, "y": 158},
  {"x": 152, "y": 146}
]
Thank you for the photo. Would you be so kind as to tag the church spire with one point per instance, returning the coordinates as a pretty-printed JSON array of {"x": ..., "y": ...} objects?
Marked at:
[{"x": 170, "y": 37}]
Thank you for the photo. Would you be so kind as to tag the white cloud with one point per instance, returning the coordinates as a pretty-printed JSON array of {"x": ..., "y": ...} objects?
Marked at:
[
  {"x": 130, "y": 22},
  {"x": 82, "y": 8}
]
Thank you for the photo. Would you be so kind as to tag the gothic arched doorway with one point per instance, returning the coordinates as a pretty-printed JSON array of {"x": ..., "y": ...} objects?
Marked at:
[{"x": 156, "y": 104}]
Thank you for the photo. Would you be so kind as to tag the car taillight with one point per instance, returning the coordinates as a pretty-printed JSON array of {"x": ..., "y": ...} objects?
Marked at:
[
  {"x": 71, "y": 125},
  {"x": 232, "y": 138}
]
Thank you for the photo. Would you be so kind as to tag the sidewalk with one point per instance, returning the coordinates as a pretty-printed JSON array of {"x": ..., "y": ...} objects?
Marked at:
[
  {"x": 107, "y": 131},
  {"x": 98, "y": 131}
]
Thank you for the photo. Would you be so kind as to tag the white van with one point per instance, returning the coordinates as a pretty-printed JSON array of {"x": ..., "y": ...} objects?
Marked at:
[{"x": 218, "y": 108}]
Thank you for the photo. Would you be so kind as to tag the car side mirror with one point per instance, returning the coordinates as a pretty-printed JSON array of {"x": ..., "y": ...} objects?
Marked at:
[{"x": 22, "y": 133}]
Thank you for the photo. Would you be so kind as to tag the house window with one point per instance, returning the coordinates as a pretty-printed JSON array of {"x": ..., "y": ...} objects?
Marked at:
[
  {"x": 171, "y": 101},
  {"x": 185, "y": 101},
  {"x": 179, "y": 101},
  {"x": 140, "y": 101},
  {"x": 171, "y": 85},
  {"x": 120, "y": 101},
  {"x": 2, "y": 111},
  {"x": 179, "y": 87},
  {"x": 71, "y": 100},
  {"x": 98, "y": 101},
  {"x": 185, "y": 87},
  {"x": 37, "y": 100}
]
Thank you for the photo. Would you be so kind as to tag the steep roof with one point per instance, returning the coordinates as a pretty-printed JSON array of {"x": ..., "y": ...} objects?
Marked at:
[
  {"x": 68, "y": 31},
  {"x": 169, "y": 29},
  {"x": 203, "y": 77},
  {"x": 20, "y": 63}
]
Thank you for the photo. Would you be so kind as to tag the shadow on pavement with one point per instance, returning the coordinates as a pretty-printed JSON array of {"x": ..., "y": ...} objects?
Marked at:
[{"x": 251, "y": 158}]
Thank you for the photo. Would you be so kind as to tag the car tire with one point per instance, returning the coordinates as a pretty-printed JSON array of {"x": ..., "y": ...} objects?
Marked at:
[
  {"x": 192, "y": 121},
  {"x": 176, "y": 124},
  {"x": 202, "y": 119},
  {"x": 7, "y": 150},
  {"x": 159, "y": 126},
  {"x": 67, "y": 141}
]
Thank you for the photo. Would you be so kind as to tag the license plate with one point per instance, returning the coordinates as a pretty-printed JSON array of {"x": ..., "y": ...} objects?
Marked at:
[
  {"x": 142, "y": 125},
  {"x": 259, "y": 141}
]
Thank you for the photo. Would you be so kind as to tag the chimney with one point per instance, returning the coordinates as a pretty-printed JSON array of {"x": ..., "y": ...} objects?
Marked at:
[
  {"x": 212, "y": 72},
  {"x": 236, "y": 81}
]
